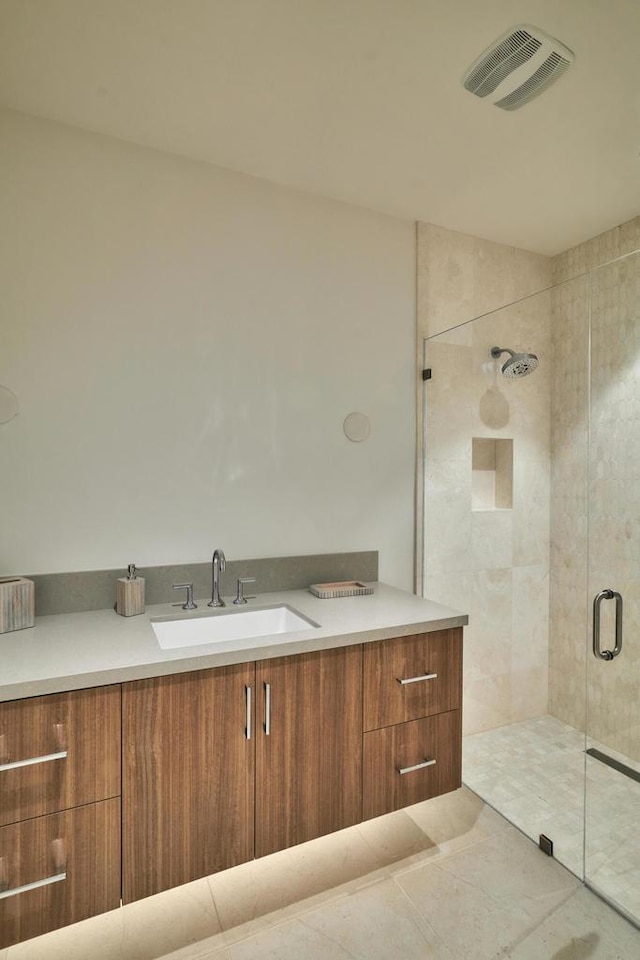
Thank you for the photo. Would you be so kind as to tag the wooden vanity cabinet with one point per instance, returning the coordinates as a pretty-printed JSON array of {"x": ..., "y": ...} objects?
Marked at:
[
  {"x": 308, "y": 747},
  {"x": 412, "y": 720},
  {"x": 60, "y": 806},
  {"x": 188, "y": 777},
  {"x": 199, "y": 747},
  {"x": 218, "y": 766},
  {"x": 279, "y": 745}
]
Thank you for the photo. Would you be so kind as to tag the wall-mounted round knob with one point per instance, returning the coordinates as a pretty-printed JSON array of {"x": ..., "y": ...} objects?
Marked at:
[{"x": 357, "y": 427}]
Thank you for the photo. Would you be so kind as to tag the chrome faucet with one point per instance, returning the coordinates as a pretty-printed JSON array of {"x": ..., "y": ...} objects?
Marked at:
[{"x": 218, "y": 563}]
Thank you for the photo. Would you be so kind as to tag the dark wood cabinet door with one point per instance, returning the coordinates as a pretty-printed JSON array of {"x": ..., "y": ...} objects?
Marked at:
[
  {"x": 188, "y": 777},
  {"x": 412, "y": 677},
  {"x": 72, "y": 743},
  {"x": 75, "y": 853},
  {"x": 309, "y": 757},
  {"x": 410, "y": 762}
]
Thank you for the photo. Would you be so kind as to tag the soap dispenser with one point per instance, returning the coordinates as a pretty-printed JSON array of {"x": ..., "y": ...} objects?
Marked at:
[{"x": 130, "y": 593}]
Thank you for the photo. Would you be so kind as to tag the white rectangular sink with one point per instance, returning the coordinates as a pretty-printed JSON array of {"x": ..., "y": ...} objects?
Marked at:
[{"x": 222, "y": 628}]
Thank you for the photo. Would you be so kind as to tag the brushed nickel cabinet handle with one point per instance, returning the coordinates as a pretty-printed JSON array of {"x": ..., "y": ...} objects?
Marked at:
[
  {"x": 45, "y": 882},
  {"x": 47, "y": 758},
  {"x": 60, "y": 865},
  {"x": 425, "y": 676},
  {"x": 416, "y": 766},
  {"x": 267, "y": 709},
  {"x": 248, "y": 727}
]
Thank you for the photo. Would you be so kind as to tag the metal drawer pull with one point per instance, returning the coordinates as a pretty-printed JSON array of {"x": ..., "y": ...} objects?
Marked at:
[
  {"x": 248, "y": 691},
  {"x": 425, "y": 676},
  {"x": 417, "y": 766},
  {"x": 56, "y": 878},
  {"x": 267, "y": 709},
  {"x": 59, "y": 865},
  {"x": 14, "y": 764}
]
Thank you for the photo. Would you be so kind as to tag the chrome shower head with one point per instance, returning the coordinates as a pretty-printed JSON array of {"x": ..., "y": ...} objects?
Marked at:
[{"x": 518, "y": 365}]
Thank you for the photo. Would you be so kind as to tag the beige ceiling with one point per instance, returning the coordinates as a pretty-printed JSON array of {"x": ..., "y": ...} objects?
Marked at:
[{"x": 359, "y": 100}]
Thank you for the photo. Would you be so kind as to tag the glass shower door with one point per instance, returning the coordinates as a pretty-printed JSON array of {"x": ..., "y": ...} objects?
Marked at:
[
  {"x": 504, "y": 535},
  {"x": 612, "y": 808}
]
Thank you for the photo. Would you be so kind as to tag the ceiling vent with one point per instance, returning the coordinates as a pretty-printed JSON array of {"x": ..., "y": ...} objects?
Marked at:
[{"x": 517, "y": 67}]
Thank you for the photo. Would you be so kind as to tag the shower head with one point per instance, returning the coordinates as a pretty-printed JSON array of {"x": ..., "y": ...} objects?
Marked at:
[{"x": 518, "y": 365}]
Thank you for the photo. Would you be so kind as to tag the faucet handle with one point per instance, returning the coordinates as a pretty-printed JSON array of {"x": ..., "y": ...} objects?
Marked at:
[
  {"x": 189, "y": 605},
  {"x": 240, "y": 597}
]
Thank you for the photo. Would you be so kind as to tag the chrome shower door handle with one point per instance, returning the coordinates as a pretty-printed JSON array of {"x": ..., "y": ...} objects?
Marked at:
[{"x": 607, "y": 594}]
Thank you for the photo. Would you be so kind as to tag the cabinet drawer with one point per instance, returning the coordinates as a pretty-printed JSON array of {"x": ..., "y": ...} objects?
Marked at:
[
  {"x": 58, "y": 752},
  {"x": 77, "y": 852},
  {"x": 412, "y": 677},
  {"x": 398, "y": 762}
]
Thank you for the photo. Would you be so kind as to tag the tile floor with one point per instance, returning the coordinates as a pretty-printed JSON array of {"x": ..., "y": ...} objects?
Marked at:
[
  {"x": 534, "y": 773},
  {"x": 448, "y": 879}
]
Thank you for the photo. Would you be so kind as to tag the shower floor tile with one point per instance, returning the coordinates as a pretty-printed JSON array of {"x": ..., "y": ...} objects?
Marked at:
[{"x": 533, "y": 773}]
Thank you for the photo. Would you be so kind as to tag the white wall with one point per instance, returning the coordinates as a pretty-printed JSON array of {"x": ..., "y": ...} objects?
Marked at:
[{"x": 185, "y": 343}]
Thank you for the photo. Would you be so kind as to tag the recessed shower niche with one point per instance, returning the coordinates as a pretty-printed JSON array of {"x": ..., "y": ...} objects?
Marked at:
[{"x": 491, "y": 474}]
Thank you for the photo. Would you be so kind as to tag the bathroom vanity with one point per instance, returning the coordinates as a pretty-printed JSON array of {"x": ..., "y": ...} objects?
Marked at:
[{"x": 191, "y": 761}]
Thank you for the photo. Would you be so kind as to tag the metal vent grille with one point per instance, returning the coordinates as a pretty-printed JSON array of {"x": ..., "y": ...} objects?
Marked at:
[
  {"x": 517, "y": 67},
  {"x": 500, "y": 61},
  {"x": 552, "y": 68}
]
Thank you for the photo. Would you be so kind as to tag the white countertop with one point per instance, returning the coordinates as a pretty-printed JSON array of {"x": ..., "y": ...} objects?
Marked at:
[{"x": 76, "y": 650}]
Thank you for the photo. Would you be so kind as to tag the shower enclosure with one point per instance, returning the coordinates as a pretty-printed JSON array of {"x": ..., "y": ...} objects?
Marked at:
[{"x": 531, "y": 524}]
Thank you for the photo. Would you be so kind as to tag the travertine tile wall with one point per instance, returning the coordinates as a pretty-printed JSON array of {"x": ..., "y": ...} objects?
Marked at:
[
  {"x": 617, "y": 242},
  {"x": 492, "y": 563},
  {"x": 595, "y": 486},
  {"x": 569, "y": 471},
  {"x": 575, "y": 523},
  {"x": 461, "y": 277},
  {"x": 613, "y": 703}
]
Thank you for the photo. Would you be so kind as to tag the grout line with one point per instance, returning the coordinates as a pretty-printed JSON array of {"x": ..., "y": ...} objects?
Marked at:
[
  {"x": 537, "y": 924},
  {"x": 415, "y": 912},
  {"x": 215, "y": 905}
]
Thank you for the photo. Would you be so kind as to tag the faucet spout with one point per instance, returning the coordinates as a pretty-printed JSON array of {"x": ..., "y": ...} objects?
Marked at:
[{"x": 218, "y": 563}]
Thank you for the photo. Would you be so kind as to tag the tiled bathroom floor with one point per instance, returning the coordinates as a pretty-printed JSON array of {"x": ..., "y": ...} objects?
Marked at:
[
  {"x": 534, "y": 773},
  {"x": 449, "y": 879}
]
